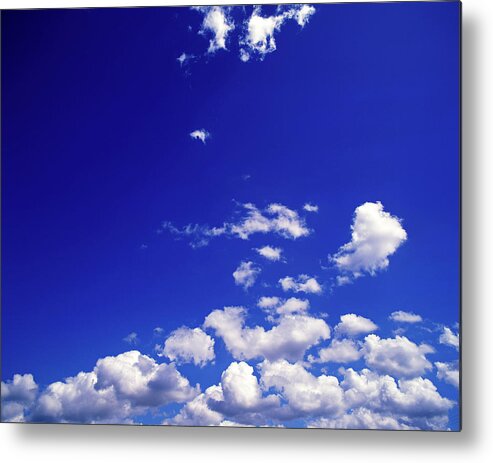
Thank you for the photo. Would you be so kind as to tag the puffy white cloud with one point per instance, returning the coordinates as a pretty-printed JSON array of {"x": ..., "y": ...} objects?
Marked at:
[
  {"x": 197, "y": 411},
  {"x": 187, "y": 345},
  {"x": 200, "y": 134},
  {"x": 237, "y": 397},
  {"x": 276, "y": 218},
  {"x": 396, "y": 356},
  {"x": 218, "y": 24},
  {"x": 415, "y": 402},
  {"x": 18, "y": 395},
  {"x": 405, "y": 317},
  {"x": 116, "y": 389},
  {"x": 339, "y": 351},
  {"x": 449, "y": 338},
  {"x": 310, "y": 207},
  {"x": 353, "y": 325},
  {"x": 376, "y": 235},
  {"x": 449, "y": 372},
  {"x": 270, "y": 253},
  {"x": 361, "y": 418},
  {"x": 246, "y": 274},
  {"x": 259, "y": 38},
  {"x": 279, "y": 306},
  {"x": 289, "y": 339},
  {"x": 302, "y": 284},
  {"x": 306, "y": 394}
]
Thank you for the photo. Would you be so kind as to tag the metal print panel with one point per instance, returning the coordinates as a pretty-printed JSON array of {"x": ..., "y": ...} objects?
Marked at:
[{"x": 232, "y": 216}]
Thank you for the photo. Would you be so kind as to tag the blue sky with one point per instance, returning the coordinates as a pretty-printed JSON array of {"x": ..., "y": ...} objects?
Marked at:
[{"x": 356, "y": 105}]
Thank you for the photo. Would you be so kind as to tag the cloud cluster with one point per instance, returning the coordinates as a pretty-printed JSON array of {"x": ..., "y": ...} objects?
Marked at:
[
  {"x": 259, "y": 37},
  {"x": 302, "y": 284},
  {"x": 256, "y": 34},
  {"x": 376, "y": 235},
  {"x": 288, "y": 339},
  {"x": 117, "y": 389},
  {"x": 275, "y": 218}
]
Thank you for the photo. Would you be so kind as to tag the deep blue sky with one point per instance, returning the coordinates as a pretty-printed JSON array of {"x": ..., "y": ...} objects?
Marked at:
[{"x": 361, "y": 105}]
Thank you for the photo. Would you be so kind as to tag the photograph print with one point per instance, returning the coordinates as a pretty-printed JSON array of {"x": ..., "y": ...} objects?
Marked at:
[{"x": 241, "y": 216}]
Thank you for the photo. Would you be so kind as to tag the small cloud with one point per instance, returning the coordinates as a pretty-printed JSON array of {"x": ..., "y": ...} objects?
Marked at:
[
  {"x": 246, "y": 274},
  {"x": 353, "y": 325},
  {"x": 270, "y": 253},
  {"x": 158, "y": 331},
  {"x": 303, "y": 283},
  {"x": 131, "y": 339},
  {"x": 218, "y": 24},
  {"x": 405, "y": 317},
  {"x": 200, "y": 134},
  {"x": 184, "y": 58},
  {"x": 310, "y": 207},
  {"x": 143, "y": 246},
  {"x": 449, "y": 338},
  {"x": 246, "y": 177}
]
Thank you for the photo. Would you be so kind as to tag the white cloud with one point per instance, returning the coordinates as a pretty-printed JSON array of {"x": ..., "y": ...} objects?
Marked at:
[
  {"x": 376, "y": 235},
  {"x": 17, "y": 396},
  {"x": 353, "y": 325},
  {"x": 303, "y": 283},
  {"x": 270, "y": 253},
  {"x": 339, "y": 351},
  {"x": 449, "y": 338},
  {"x": 187, "y": 345},
  {"x": 449, "y": 372},
  {"x": 246, "y": 274},
  {"x": 259, "y": 38},
  {"x": 310, "y": 207},
  {"x": 200, "y": 134},
  {"x": 396, "y": 356},
  {"x": 276, "y": 218},
  {"x": 131, "y": 339},
  {"x": 405, "y": 317},
  {"x": 306, "y": 394},
  {"x": 216, "y": 23},
  {"x": 289, "y": 339},
  {"x": 291, "y": 306},
  {"x": 184, "y": 58},
  {"x": 415, "y": 402},
  {"x": 116, "y": 389}
]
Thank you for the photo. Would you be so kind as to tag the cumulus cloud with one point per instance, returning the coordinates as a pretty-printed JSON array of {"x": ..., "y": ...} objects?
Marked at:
[
  {"x": 310, "y": 207},
  {"x": 187, "y": 345},
  {"x": 449, "y": 372},
  {"x": 200, "y": 134},
  {"x": 376, "y": 235},
  {"x": 270, "y": 253},
  {"x": 275, "y": 218},
  {"x": 117, "y": 388},
  {"x": 216, "y": 24},
  {"x": 18, "y": 396},
  {"x": 246, "y": 274},
  {"x": 276, "y": 305},
  {"x": 289, "y": 339},
  {"x": 259, "y": 38},
  {"x": 339, "y": 351},
  {"x": 354, "y": 325},
  {"x": 449, "y": 338},
  {"x": 302, "y": 284},
  {"x": 306, "y": 394},
  {"x": 414, "y": 402},
  {"x": 405, "y": 317},
  {"x": 396, "y": 356}
]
